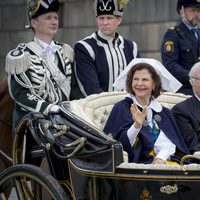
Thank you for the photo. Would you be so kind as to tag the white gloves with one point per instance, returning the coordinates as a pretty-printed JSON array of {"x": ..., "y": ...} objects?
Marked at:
[{"x": 54, "y": 109}]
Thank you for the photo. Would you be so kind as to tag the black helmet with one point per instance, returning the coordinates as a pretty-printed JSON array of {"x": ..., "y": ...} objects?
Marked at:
[
  {"x": 187, "y": 3},
  {"x": 39, "y": 7}
]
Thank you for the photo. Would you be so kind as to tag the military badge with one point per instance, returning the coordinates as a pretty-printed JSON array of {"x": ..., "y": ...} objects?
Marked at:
[
  {"x": 172, "y": 27},
  {"x": 33, "y": 7},
  {"x": 16, "y": 53},
  {"x": 169, "y": 46}
]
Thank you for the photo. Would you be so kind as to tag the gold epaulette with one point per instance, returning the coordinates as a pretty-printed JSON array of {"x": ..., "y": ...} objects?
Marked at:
[
  {"x": 17, "y": 60},
  {"x": 171, "y": 27}
]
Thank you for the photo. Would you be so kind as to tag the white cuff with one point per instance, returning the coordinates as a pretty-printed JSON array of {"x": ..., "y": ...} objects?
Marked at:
[
  {"x": 163, "y": 154},
  {"x": 132, "y": 134},
  {"x": 54, "y": 109}
]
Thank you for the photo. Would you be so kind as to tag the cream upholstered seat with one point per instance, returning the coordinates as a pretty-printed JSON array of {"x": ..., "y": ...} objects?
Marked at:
[{"x": 96, "y": 108}]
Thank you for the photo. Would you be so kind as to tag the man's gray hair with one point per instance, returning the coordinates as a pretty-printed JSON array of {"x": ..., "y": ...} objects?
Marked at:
[{"x": 194, "y": 69}]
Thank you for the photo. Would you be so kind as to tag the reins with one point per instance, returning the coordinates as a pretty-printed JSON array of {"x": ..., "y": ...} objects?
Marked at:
[{"x": 6, "y": 122}]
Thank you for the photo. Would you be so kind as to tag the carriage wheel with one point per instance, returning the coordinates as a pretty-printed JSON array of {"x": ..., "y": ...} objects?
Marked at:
[
  {"x": 18, "y": 147},
  {"x": 30, "y": 182}
]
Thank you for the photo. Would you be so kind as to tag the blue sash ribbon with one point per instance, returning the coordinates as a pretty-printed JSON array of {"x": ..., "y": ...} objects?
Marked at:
[{"x": 155, "y": 131}]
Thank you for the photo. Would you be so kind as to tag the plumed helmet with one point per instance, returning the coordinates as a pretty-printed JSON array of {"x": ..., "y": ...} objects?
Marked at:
[
  {"x": 109, "y": 7},
  {"x": 39, "y": 7},
  {"x": 187, "y": 3}
]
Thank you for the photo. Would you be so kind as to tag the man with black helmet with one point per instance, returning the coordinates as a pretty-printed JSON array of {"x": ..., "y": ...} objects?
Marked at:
[
  {"x": 101, "y": 56},
  {"x": 180, "y": 48},
  {"x": 40, "y": 73}
]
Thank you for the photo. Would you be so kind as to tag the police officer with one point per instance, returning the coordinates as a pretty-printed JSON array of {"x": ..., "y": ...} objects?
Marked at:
[
  {"x": 40, "y": 72},
  {"x": 101, "y": 56},
  {"x": 180, "y": 47}
]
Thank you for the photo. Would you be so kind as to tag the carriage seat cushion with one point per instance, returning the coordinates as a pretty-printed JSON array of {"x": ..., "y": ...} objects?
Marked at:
[{"x": 96, "y": 108}]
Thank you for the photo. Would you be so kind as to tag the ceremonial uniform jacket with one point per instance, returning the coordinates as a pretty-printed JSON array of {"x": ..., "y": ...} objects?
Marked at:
[
  {"x": 120, "y": 120},
  {"x": 100, "y": 59},
  {"x": 179, "y": 52},
  {"x": 187, "y": 115},
  {"x": 36, "y": 82}
]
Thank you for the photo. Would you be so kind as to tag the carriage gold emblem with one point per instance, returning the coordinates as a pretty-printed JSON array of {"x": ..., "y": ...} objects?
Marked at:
[
  {"x": 169, "y": 46},
  {"x": 145, "y": 195}
]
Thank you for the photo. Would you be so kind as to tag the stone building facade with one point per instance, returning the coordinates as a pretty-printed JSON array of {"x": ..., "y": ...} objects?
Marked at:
[{"x": 145, "y": 22}]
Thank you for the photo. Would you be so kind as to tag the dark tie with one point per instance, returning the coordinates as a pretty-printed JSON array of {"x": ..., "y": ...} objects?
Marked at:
[
  {"x": 198, "y": 35},
  {"x": 198, "y": 42}
]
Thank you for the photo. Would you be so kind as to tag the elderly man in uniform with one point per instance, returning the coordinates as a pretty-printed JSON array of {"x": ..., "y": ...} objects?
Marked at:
[
  {"x": 102, "y": 56},
  {"x": 180, "y": 48},
  {"x": 40, "y": 73}
]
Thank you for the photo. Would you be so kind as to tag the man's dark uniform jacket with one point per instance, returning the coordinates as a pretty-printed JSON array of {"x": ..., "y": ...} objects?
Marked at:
[
  {"x": 179, "y": 52},
  {"x": 187, "y": 115}
]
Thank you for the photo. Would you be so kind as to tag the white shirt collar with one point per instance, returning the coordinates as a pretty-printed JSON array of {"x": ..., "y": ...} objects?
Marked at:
[
  {"x": 189, "y": 26},
  {"x": 154, "y": 104},
  {"x": 105, "y": 37},
  {"x": 52, "y": 46}
]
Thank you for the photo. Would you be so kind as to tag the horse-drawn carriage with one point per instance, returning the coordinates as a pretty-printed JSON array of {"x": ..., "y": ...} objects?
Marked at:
[{"x": 80, "y": 162}]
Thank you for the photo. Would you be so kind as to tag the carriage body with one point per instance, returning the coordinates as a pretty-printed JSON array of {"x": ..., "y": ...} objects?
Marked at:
[
  {"x": 127, "y": 183},
  {"x": 94, "y": 166}
]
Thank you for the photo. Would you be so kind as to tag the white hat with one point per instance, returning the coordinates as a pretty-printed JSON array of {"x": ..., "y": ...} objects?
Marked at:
[{"x": 169, "y": 82}]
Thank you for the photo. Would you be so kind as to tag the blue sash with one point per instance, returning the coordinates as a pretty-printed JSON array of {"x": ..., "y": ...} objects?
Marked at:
[{"x": 155, "y": 131}]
